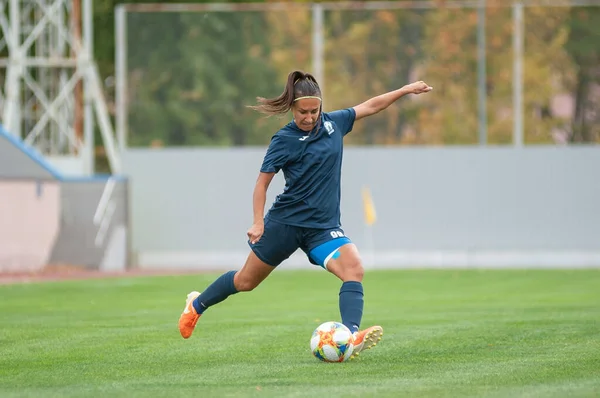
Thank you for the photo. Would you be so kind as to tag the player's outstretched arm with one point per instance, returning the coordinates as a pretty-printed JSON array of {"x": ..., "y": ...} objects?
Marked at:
[{"x": 381, "y": 102}]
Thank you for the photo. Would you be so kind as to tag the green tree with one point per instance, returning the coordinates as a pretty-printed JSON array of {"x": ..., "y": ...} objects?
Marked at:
[
  {"x": 190, "y": 84},
  {"x": 190, "y": 75},
  {"x": 451, "y": 39},
  {"x": 369, "y": 53},
  {"x": 583, "y": 46}
]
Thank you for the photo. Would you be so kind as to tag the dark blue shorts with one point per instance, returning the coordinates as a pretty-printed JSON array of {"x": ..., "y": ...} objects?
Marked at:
[{"x": 279, "y": 241}]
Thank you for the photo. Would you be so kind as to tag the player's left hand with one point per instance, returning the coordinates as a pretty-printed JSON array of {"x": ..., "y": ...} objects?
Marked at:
[{"x": 419, "y": 87}]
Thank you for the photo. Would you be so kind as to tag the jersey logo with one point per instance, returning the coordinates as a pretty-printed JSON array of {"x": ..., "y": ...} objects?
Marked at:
[
  {"x": 329, "y": 127},
  {"x": 303, "y": 137}
]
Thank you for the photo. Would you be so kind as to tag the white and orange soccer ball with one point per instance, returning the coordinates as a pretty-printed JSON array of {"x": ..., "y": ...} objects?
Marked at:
[{"x": 332, "y": 342}]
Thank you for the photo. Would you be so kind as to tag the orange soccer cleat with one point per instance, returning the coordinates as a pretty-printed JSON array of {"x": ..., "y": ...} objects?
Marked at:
[
  {"x": 189, "y": 317},
  {"x": 366, "y": 339}
]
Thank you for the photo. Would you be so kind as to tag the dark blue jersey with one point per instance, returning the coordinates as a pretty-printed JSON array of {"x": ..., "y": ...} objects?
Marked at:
[{"x": 312, "y": 167}]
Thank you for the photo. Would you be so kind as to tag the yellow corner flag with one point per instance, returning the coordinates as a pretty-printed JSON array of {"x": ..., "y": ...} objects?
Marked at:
[{"x": 369, "y": 207}]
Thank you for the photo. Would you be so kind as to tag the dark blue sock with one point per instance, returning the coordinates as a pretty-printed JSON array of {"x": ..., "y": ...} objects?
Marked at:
[
  {"x": 351, "y": 304},
  {"x": 218, "y": 291}
]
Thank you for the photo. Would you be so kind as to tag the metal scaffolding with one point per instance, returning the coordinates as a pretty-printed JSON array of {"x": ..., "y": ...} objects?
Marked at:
[{"x": 52, "y": 88}]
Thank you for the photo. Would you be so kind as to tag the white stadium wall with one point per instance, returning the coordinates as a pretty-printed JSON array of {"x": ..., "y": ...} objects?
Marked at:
[{"x": 436, "y": 207}]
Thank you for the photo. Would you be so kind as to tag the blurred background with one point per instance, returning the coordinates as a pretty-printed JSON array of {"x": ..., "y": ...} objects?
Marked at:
[{"x": 126, "y": 141}]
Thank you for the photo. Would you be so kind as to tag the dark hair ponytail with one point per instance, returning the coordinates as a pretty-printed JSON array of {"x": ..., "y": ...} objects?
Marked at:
[{"x": 299, "y": 84}]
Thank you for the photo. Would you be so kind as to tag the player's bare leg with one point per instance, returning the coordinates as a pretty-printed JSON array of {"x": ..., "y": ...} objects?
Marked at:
[{"x": 252, "y": 273}]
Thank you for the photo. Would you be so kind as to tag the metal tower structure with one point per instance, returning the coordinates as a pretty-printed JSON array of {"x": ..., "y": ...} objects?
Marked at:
[{"x": 52, "y": 94}]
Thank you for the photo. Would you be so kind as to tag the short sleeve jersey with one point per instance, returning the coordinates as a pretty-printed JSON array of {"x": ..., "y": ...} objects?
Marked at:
[{"x": 312, "y": 168}]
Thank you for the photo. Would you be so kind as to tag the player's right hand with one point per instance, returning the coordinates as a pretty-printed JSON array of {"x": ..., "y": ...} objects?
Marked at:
[{"x": 255, "y": 232}]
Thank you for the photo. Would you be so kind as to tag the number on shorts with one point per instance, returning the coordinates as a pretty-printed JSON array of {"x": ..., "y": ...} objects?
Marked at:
[{"x": 337, "y": 234}]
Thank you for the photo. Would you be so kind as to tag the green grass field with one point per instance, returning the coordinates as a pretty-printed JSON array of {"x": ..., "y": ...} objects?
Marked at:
[{"x": 447, "y": 334}]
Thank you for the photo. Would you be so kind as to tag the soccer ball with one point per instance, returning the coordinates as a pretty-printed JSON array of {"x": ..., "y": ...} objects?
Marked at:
[{"x": 332, "y": 342}]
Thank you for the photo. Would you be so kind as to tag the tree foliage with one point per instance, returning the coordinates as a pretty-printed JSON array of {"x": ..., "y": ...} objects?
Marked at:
[
  {"x": 583, "y": 46},
  {"x": 191, "y": 75}
]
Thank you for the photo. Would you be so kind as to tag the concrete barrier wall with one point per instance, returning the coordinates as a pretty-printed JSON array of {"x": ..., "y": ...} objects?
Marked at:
[
  {"x": 93, "y": 232},
  {"x": 29, "y": 224},
  {"x": 20, "y": 161},
  {"x": 47, "y": 218},
  {"x": 447, "y": 206}
]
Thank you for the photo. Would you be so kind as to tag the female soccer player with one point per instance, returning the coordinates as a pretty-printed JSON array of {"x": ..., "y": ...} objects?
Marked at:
[{"x": 306, "y": 214}]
